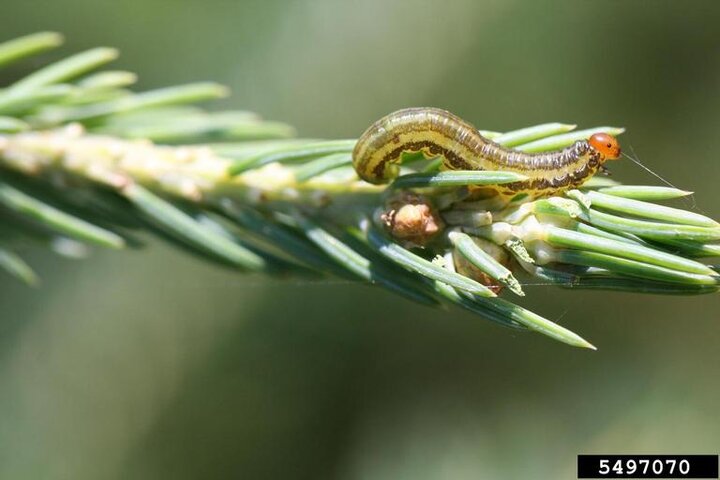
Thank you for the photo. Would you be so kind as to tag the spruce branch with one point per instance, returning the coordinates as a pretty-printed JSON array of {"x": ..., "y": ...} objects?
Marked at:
[{"x": 86, "y": 162}]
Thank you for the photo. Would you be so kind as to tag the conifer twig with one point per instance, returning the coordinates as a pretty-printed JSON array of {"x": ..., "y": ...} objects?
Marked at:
[{"x": 84, "y": 161}]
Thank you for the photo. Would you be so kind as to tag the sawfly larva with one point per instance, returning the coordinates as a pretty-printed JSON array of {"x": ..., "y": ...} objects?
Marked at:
[{"x": 439, "y": 133}]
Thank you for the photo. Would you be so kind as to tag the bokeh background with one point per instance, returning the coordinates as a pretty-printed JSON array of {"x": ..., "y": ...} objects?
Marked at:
[{"x": 152, "y": 364}]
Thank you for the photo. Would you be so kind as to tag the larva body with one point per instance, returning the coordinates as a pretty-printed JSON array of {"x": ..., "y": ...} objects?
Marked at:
[{"x": 438, "y": 133}]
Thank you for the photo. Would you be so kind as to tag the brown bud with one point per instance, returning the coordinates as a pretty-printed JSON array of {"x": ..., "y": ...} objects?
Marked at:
[{"x": 412, "y": 219}]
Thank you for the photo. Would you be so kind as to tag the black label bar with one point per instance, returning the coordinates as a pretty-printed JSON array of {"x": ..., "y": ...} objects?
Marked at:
[{"x": 647, "y": 466}]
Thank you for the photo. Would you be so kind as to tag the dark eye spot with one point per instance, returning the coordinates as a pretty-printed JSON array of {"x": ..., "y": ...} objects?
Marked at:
[{"x": 609, "y": 145}]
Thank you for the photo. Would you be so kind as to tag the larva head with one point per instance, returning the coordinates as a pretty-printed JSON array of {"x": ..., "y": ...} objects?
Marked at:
[{"x": 607, "y": 145}]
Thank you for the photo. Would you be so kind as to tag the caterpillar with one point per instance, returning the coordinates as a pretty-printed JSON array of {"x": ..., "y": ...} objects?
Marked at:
[{"x": 439, "y": 133}]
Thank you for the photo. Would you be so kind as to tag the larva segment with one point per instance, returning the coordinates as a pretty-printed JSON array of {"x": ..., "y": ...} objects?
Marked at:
[
  {"x": 431, "y": 131},
  {"x": 438, "y": 133}
]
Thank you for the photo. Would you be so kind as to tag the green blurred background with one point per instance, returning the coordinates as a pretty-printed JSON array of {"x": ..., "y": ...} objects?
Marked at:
[{"x": 152, "y": 364}]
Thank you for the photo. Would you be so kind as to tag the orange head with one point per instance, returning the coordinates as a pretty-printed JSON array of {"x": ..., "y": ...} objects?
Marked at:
[{"x": 606, "y": 144}]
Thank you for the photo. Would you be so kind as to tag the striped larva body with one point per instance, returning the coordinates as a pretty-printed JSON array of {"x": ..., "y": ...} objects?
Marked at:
[{"x": 438, "y": 133}]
